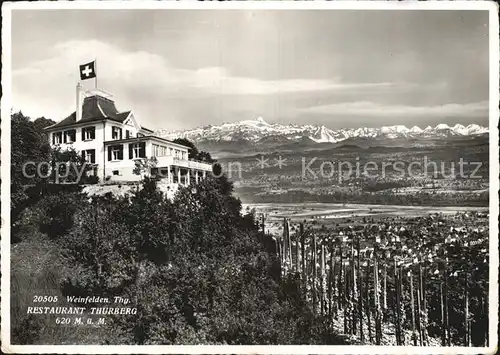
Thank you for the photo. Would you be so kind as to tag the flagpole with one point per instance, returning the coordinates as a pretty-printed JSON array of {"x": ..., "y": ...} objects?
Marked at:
[{"x": 95, "y": 72}]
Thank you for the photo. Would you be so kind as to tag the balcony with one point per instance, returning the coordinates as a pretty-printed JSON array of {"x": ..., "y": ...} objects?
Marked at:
[
  {"x": 189, "y": 164},
  {"x": 198, "y": 165}
]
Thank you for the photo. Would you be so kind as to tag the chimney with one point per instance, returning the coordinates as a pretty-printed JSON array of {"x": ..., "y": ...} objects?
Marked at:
[{"x": 78, "y": 102}]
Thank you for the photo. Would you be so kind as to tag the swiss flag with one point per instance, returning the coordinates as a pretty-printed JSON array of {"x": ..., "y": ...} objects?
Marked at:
[{"x": 87, "y": 71}]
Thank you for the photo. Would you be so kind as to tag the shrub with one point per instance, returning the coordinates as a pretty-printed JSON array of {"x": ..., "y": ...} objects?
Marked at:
[
  {"x": 92, "y": 179},
  {"x": 60, "y": 209}
]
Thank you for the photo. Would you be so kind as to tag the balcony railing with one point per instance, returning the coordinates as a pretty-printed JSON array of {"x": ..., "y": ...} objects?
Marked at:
[
  {"x": 181, "y": 162},
  {"x": 190, "y": 164},
  {"x": 194, "y": 164}
]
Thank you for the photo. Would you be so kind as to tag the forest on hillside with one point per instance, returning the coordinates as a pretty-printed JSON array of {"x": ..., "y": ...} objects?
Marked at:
[{"x": 195, "y": 268}]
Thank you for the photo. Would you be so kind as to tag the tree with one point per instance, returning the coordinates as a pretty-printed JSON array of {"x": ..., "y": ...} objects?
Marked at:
[
  {"x": 41, "y": 123},
  {"x": 205, "y": 157},
  {"x": 68, "y": 166},
  {"x": 59, "y": 210},
  {"x": 29, "y": 144},
  {"x": 194, "y": 153},
  {"x": 144, "y": 166},
  {"x": 193, "y": 268}
]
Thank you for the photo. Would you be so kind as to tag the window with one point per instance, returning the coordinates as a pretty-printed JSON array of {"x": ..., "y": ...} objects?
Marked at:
[
  {"x": 137, "y": 150},
  {"x": 115, "y": 152},
  {"x": 70, "y": 136},
  {"x": 116, "y": 133},
  {"x": 159, "y": 150},
  {"x": 171, "y": 151},
  {"x": 57, "y": 138},
  {"x": 89, "y": 155},
  {"x": 88, "y": 133},
  {"x": 116, "y": 172},
  {"x": 128, "y": 134},
  {"x": 156, "y": 150}
]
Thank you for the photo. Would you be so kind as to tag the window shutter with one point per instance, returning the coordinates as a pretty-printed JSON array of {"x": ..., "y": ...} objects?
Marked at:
[
  {"x": 65, "y": 137},
  {"x": 83, "y": 155},
  {"x": 73, "y": 135},
  {"x": 92, "y": 132},
  {"x": 130, "y": 151},
  {"x": 142, "y": 150},
  {"x": 120, "y": 152},
  {"x": 54, "y": 138},
  {"x": 83, "y": 133},
  {"x": 109, "y": 153}
]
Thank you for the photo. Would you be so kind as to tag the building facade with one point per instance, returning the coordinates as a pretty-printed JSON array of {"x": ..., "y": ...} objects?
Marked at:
[{"x": 112, "y": 142}]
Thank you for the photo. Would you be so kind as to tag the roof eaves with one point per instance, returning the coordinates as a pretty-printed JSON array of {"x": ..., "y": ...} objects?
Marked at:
[
  {"x": 166, "y": 140},
  {"x": 51, "y": 126},
  {"x": 127, "y": 115},
  {"x": 145, "y": 138},
  {"x": 68, "y": 124}
]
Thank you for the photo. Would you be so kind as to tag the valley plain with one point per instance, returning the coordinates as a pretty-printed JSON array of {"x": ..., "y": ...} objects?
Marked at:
[{"x": 431, "y": 174}]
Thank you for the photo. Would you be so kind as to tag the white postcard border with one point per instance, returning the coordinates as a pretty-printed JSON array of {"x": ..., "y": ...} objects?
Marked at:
[{"x": 8, "y": 7}]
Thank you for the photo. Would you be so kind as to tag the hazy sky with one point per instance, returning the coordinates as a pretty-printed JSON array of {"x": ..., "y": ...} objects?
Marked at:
[{"x": 180, "y": 69}]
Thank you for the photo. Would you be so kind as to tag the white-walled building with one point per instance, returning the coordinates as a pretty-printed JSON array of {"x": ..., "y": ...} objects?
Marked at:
[{"x": 112, "y": 141}]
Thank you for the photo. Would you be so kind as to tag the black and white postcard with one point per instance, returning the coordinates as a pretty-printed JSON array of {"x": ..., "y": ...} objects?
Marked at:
[{"x": 261, "y": 177}]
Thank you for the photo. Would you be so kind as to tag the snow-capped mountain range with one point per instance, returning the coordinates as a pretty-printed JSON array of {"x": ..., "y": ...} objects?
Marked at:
[{"x": 256, "y": 130}]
